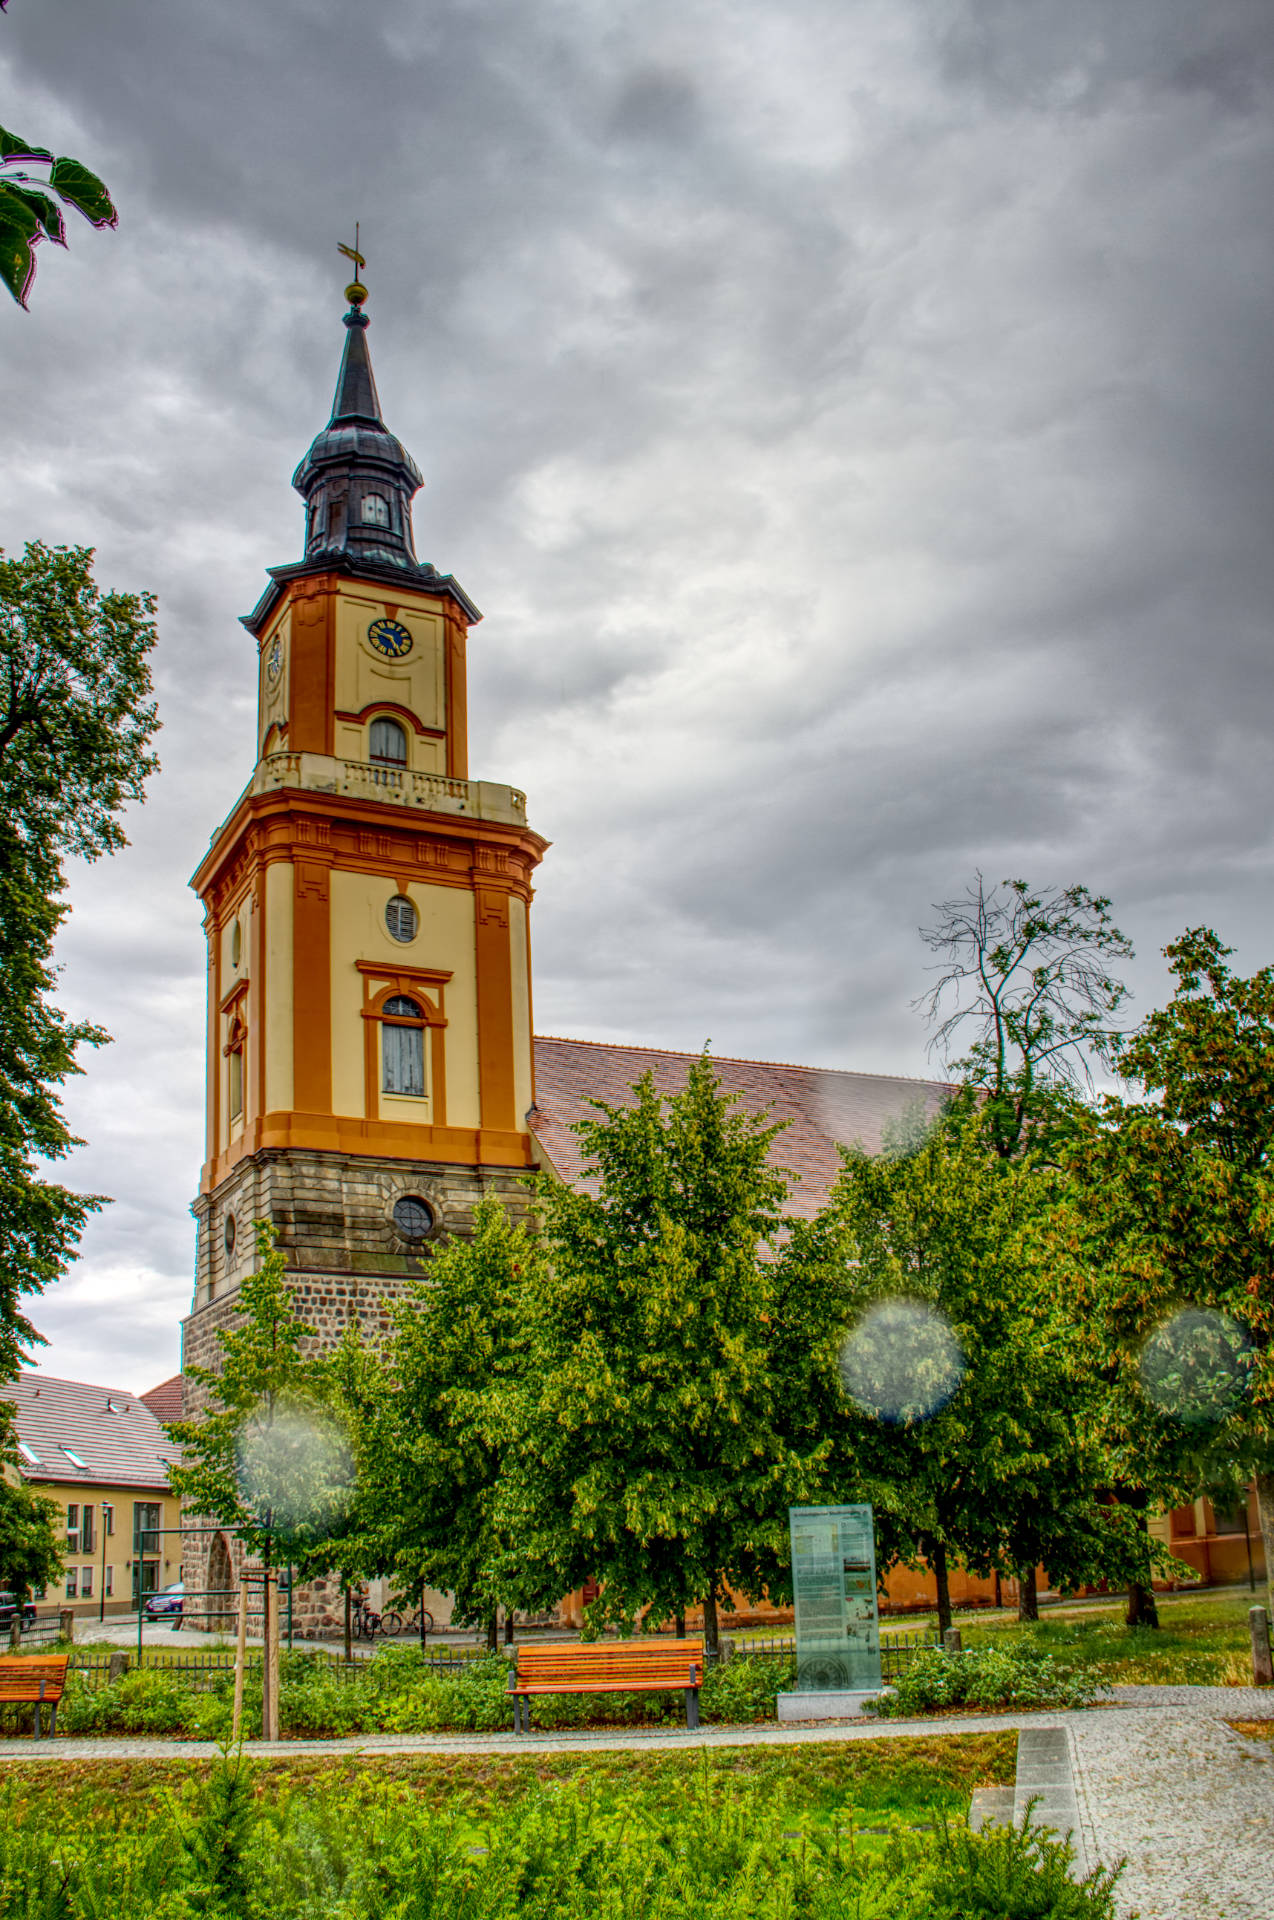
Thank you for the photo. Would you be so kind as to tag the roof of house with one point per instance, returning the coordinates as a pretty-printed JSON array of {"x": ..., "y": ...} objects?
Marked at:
[
  {"x": 83, "y": 1435},
  {"x": 825, "y": 1108},
  {"x": 167, "y": 1399}
]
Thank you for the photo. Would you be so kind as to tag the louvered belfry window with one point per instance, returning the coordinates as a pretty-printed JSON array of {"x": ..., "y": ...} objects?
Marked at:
[{"x": 404, "y": 1048}]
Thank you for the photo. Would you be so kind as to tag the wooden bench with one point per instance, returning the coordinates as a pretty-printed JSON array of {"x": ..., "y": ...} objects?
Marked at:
[
  {"x": 607, "y": 1666},
  {"x": 39, "y": 1679}
]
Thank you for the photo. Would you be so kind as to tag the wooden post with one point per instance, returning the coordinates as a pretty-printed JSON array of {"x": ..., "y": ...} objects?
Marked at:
[
  {"x": 66, "y": 1624},
  {"x": 15, "y": 1632},
  {"x": 1262, "y": 1664},
  {"x": 349, "y": 1624},
  {"x": 952, "y": 1641},
  {"x": 119, "y": 1665},
  {"x": 240, "y": 1657},
  {"x": 272, "y": 1582}
]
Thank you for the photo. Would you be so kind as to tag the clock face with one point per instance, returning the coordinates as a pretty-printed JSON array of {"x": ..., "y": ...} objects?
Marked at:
[
  {"x": 389, "y": 638},
  {"x": 274, "y": 663}
]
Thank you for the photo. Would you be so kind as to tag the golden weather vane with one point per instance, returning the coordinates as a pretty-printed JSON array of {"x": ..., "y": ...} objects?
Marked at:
[{"x": 356, "y": 292}]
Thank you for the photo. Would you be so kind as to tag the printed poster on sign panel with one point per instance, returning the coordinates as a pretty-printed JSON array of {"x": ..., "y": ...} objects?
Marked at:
[{"x": 834, "y": 1582}]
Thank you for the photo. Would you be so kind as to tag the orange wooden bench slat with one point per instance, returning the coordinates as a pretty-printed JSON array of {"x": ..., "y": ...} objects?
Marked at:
[
  {"x": 35, "y": 1681},
  {"x": 615, "y": 1666}
]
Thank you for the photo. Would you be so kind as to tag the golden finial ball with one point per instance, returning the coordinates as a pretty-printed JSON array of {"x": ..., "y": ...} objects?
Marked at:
[{"x": 355, "y": 293}]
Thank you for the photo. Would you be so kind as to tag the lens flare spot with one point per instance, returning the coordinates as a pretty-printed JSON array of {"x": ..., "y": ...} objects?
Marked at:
[
  {"x": 1197, "y": 1367},
  {"x": 902, "y": 1362},
  {"x": 294, "y": 1469}
]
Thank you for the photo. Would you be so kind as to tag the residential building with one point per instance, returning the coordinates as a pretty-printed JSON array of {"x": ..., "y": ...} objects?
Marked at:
[{"x": 102, "y": 1455}]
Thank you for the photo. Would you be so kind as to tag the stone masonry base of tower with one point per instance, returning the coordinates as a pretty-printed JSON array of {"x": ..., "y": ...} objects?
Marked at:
[{"x": 348, "y": 1264}]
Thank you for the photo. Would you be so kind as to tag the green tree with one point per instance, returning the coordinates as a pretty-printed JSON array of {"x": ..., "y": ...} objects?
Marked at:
[
  {"x": 1027, "y": 973},
  {"x": 656, "y": 1455},
  {"x": 1181, "y": 1184},
  {"x": 32, "y": 182},
  {"x": 268, "y": 1456},
  {"x": 31, "y": 1539},
  {"x": 437, "y": 1422},
  {"x": 76, "y": 724},
  {"x": 974, "y": 1435}
]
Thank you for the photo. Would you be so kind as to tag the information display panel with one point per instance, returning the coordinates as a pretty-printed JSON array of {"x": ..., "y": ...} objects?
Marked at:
[{"x": 837, "y": 1617}]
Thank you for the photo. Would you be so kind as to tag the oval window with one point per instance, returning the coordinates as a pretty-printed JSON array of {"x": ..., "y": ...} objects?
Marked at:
[
  {"x": 229, "y": 1233},
  {"x": 414, "y": 1217},
  {"x": 401, "y": 918}
]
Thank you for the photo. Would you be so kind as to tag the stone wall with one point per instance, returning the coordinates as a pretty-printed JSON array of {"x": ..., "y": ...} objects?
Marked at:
[{"x": 347, "y": 1262}]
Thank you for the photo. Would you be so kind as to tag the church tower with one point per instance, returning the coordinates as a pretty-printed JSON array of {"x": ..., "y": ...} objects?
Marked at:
[{"x": 366, "y": 902}]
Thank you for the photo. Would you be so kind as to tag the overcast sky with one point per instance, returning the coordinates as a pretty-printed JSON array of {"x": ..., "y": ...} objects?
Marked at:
[{"x": 852, "y": 416}]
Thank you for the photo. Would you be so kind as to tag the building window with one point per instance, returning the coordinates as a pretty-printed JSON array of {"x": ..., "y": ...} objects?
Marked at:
[
  {"x": 403, "y": 1048},
  {"x": 388, "y": 743},
  {"x": 73, "y": 1527},
  {"x": 145, "y": 1526},
  {"x": 86, "y": 1529},
  {"x": 413, "y": 1217},
  {"x": 72, "y": 1586},
  {"x": 108, "y": 1518},
  {"x": 375, "y": 510},
  {"x": 235, "y": 1044},
  {"x": 86, "y": 1583},
  {"x": 108, "y": 1581},
  {"x": 401, "y": 918}
]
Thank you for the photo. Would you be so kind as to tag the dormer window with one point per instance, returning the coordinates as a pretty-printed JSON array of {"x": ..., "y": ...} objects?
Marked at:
[
  {"x": 388, "y": 743},
  {"x": 375, "y": 510}
]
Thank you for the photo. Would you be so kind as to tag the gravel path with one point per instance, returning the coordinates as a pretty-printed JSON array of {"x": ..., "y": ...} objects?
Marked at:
[{"x": 1187, "y": 1802}]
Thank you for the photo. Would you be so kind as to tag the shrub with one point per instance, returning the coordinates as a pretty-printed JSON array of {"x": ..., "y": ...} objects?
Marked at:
[
  {"x": 555, "y": 1853},
  {"x": 997, "y": 1676}
]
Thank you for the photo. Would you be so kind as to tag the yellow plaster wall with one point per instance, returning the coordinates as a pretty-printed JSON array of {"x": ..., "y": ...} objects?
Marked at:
[
  {"x": 519, "y": 935},
  {"x": 445, "y": 943},
  {"x": 276, "y": 1018},
  {"x": 362, "y": 676},
  {"x": 272, "y": 699}
]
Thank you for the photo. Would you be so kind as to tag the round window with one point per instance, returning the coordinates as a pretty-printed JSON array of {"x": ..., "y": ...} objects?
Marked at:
[
  {"x": 236, "y": 944},
  {"x": 228, "y": 1233},
  {"x": 401, "y": 918},
  {"x": 413, "y": 1217}
]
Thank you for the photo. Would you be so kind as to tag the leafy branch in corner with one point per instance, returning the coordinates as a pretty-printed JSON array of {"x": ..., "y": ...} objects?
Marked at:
[{"x": 30, "y": 178}]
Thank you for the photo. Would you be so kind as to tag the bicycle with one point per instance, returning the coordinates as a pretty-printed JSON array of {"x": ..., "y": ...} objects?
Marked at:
[
  {"x": 393, "y": 1623},
  {"x": 367, "y": 1623}
]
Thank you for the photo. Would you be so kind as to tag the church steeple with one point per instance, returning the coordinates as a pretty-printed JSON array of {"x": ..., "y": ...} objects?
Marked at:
[{"x": 357, "y": 480}]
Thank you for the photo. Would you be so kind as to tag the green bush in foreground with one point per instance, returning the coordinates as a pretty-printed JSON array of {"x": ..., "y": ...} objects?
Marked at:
[
  {"x": 1009, "y": 1677},
  {"x": 553, "y": 1854}
]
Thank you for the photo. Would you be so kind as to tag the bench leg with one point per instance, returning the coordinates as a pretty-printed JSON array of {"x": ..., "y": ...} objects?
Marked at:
[
  {"x": 53, "y": 1721},
  {"x": 692, "y": 1708},
  {"x": 36, "y": 1711}
]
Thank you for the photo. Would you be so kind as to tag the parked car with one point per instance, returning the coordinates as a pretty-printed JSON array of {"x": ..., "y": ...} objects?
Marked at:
[
  {"x": 170, "y": 1601},
  {"x": 9, "y": 1608}
]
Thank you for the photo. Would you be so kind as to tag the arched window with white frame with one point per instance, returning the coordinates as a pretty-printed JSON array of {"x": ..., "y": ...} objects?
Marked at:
[{"x": 403, "y": 1047}]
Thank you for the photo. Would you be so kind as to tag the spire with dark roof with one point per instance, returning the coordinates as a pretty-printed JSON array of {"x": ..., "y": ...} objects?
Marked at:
[{"x": 357, "y": 480}]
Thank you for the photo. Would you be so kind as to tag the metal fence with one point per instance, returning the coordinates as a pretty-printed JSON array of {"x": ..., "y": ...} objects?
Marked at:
[
  {"x": 896, "y": 1649},
  {"x": 203, "y": 1672}
]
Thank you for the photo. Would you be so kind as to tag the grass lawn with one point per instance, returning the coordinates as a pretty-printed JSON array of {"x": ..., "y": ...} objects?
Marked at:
[
  {"x": 820, "y": 1786},
  {"x": 1202, "y": 1639}
]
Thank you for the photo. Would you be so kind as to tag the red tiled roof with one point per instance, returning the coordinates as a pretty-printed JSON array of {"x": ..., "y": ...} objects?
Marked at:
[
  {"x": 63, "y": 1423},
  {"x": 826, "y": 1108},
  {"x": 165, "y": 1400}
]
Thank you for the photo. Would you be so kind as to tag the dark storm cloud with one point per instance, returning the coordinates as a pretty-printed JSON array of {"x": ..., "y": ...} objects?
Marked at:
[{"x": 852, "y": 418}]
